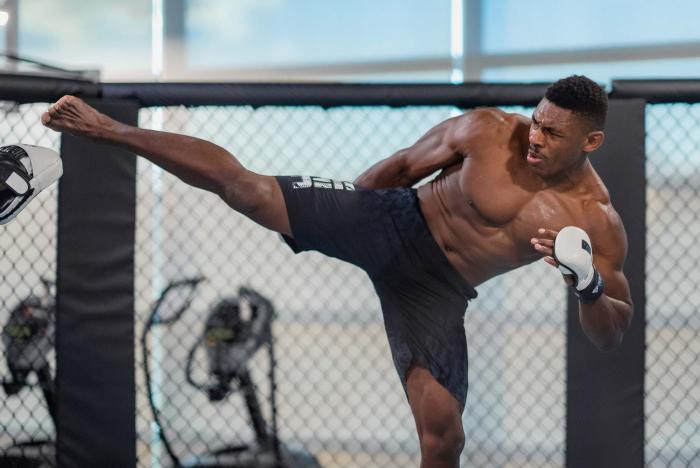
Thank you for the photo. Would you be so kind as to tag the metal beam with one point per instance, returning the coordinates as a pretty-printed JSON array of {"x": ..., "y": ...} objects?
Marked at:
[
  {"x": 472, "y": 40},
  {"x": 174, "y": 57},
  {"x": 607, "y": 54},
  {"x": 457, "y": 40},
  {"x": 318, "y": 70},
  {"x": 12, "y": 28}
]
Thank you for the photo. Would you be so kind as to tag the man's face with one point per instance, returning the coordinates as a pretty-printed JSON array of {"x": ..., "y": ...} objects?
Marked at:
[{"x": 558, "y": 138}]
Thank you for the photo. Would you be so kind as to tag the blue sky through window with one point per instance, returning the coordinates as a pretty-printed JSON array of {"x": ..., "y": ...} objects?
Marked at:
[
  {"x": 102, "y": 34},
  {"x": 541, "y": 25},
  {"x": 221, "y": 33}
]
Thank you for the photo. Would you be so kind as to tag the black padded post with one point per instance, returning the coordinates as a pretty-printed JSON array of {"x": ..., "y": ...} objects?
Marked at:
[
  {"x": 605, "y": 391},
  {"x": 95, "y": 299}
]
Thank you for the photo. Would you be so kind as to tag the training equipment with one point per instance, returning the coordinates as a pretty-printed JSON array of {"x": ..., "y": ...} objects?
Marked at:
[
  {"x": 25, "y": 170},
  {"x": 28, "y": 339},
  {"x": 235, "y": 330},
  {"x": 573, "y": 251}
]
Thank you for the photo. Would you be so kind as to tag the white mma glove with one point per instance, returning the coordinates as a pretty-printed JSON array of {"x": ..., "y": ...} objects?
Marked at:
[
  {"x": 572, "y": 249},
  {"x": 25, "y": 170}
]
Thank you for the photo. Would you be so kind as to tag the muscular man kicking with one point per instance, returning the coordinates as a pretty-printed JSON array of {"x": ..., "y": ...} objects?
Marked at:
[{"x": 509, "y": 191}]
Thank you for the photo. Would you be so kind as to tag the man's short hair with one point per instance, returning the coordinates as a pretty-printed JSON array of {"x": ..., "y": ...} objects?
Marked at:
[{"x": 582, "y": 96}]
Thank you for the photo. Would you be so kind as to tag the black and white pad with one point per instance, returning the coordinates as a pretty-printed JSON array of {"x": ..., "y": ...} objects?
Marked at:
[{"x": 25, "y": 170}]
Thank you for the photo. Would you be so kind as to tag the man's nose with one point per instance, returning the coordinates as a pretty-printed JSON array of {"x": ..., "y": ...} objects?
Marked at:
[{"x": 536, "y": 139}]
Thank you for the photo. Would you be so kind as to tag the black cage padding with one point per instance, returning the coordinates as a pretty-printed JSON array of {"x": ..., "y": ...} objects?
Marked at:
[
  {"x": 33, "y": 87},
  {"x": 96, "y": 398},
  {"x": 325, "y": 94},
  {"x": 605, "y": 391},
  {"x": 30, "y": 88},
  {"x": 658, "y": 91}
]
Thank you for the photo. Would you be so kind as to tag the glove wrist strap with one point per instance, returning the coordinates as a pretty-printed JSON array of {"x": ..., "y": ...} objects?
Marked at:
[{"x": 593, "y": 291}]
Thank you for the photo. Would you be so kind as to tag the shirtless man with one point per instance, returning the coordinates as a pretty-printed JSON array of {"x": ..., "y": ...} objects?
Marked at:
[{"x": 507, "y": 186}]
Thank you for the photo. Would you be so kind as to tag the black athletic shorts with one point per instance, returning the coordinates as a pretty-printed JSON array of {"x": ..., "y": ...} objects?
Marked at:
[{"x": 423, "y": 297}]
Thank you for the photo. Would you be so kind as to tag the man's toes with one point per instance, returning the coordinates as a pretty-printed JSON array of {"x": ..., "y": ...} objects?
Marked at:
[{"x": 67, "y": 101}]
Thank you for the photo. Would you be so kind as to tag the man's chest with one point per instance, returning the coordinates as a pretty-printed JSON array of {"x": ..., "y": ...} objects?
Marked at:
[
  {"x": 497, "y": 190},
  {"x": 502, "y": 197}
]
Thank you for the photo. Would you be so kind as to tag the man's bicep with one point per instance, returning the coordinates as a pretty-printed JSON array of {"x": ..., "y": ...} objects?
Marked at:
[
  {"x": 617, "y": 289},
  {"x": 442, "y": 146},
  {"x": 433, "y": 151},
  {"x": 616, "y": 283},
  {"x": 409, "y": 165},
  {"x": 609, "y": 256},
  {"x": 448, "y": 143},
  {"x": 387, "y": 173}
]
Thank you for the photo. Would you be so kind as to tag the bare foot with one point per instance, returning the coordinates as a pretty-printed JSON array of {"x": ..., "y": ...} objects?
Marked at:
[{"x": 71, "y": 114}]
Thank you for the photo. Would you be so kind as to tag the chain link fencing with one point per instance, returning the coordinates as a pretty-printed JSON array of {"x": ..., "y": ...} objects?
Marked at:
[
  {"x": 27, "y": 313},
  {"x": 338, "y": 396},
  {"x": 672, "y": 383},
  {"x": 335, "y": 394}
]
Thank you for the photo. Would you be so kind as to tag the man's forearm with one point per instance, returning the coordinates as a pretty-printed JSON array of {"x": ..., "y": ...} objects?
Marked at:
[
  {"x": 604, "y": 321},
  {"x": 387, "y": 173},
  {"x": 195, "y": 161}
]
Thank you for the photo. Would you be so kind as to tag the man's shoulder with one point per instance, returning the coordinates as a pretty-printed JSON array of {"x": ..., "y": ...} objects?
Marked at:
[
  {"x": 486, "y": 122},
  {"x": 494, "y": 114},
  {"x": 590, "y": 207},
  {"x": 601, "y": 213},
  {"x": 605, "y": 226},
  {"x": 595, "y": 201}
]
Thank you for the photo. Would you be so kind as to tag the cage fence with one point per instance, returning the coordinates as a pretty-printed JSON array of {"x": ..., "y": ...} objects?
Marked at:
[
  {"x": 337, "y": 396},
  {"x": 672, "y": 402},
  {"x": 27, "y": 306}
]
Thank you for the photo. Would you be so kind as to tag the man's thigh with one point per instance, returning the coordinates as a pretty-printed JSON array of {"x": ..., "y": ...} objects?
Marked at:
[
  {"x": 434, "y": 408},
  {"x": 335, "y": 219}
]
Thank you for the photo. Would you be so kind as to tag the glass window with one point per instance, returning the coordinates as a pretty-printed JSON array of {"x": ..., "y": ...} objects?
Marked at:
[
  {"x": 114, "y": 37},
  {"x": 431, "y": 76},
  {"x": 600, "y": 72},
  {"x": 517, "y": 26},
  {"x": 222, "y": 33}
]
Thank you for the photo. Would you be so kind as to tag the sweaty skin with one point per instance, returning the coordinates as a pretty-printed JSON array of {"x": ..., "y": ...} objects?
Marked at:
[
  {"x": 507, "y": 185},
  {"x": 485, "y": 208}
]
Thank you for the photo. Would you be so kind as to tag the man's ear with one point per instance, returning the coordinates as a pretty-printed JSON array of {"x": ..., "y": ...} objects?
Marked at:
[{"x": 593, "y": 141}]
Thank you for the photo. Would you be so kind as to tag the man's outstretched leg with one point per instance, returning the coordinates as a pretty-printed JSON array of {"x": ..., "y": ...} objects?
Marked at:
[
  {"x": 195, "y": 161},
  {"x": 438, "y": 420}
]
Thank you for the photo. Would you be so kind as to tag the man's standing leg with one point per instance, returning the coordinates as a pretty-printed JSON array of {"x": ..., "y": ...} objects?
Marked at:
[{"x": 438, "y": 418}]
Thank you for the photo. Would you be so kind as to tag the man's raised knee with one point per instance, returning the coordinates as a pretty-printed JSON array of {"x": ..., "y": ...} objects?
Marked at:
[
  {"x": 259, "y": 198},
  {"x": 247, "y": 192}
]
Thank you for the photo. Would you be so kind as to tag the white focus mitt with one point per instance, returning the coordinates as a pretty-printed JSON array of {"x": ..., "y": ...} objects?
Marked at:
[{"x": 25, "y": 170}]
